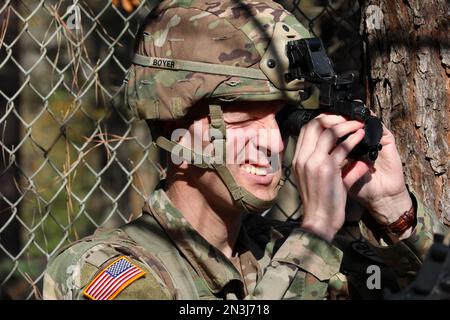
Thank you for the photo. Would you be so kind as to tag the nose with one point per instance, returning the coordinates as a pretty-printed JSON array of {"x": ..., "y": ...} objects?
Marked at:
[
  {"x": 259, "y": 143},
  {"x": 266, "y": 144}
]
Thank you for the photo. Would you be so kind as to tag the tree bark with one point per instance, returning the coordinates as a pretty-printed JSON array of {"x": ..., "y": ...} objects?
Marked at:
[{"x": 408, "y": 61}]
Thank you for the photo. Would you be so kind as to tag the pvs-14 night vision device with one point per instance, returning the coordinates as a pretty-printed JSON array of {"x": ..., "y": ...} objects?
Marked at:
[{"x": 309, "y": 61}]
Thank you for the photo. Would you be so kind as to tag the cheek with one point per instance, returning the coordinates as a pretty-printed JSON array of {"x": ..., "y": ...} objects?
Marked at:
[{"x": 235, "y": 145}]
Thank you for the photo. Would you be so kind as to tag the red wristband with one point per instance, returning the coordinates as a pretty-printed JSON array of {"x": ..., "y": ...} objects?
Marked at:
[{"x": 403, "y": 223}]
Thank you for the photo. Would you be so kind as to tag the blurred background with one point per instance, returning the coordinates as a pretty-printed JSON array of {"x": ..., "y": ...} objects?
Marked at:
[{"x": 73, "y": 160}]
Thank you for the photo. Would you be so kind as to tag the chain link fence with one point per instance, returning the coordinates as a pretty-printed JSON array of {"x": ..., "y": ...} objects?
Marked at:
[{"x": 71, "y": 161}]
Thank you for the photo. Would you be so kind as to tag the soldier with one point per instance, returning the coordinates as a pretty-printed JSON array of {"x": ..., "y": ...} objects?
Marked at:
[{"x": 203, "y": 79}]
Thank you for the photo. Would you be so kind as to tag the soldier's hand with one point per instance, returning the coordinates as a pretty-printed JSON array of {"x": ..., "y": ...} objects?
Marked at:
[
  {"x": 317, "y": 166},
  {"x": 382, "y": 189}
]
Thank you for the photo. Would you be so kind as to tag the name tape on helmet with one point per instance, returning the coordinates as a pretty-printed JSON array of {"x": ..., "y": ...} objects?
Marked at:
[
  {"x": 211, "y": 68},
  {"x": 163, "y": 63}
]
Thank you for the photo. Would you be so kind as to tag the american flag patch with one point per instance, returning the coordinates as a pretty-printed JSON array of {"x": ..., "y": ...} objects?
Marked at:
[{"x": 113, "y": 279}]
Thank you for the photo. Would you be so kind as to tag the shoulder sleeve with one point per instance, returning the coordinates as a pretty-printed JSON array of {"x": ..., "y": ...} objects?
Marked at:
[{"x": 70, "y": 273}]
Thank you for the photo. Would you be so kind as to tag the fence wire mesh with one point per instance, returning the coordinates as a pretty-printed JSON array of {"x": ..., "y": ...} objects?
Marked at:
[{"x": 71, "y": 160}]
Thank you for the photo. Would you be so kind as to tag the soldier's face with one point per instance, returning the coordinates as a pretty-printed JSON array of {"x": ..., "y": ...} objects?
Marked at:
[
  {"x": 253, "y": 151},
  {"x": 254, "y": 146}
]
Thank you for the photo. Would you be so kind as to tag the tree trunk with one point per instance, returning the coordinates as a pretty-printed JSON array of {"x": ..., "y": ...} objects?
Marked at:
[{"x": 408, "y": 60}]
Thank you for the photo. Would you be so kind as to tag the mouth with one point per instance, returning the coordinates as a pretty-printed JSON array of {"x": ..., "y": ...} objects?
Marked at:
[
  {"x": 259, "y": 174},
  {"x": 258, "y": 170}
]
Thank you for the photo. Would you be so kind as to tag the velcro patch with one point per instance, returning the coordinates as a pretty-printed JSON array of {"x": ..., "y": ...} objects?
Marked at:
[{"x": 113, "y": 279}]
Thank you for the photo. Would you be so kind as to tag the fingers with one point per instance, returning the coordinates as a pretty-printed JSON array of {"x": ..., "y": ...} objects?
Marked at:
[
  {"x": 319, "y": 177},
  {"x": 328, "y": 138},
  {"x": 310, "y": 133},
  {"x": 341, "y": 151}
]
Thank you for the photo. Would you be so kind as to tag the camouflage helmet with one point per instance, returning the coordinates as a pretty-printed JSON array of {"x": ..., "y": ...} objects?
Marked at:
[
  {"x": 216, "y": 50},
  {"x": 220, "y": 51}
]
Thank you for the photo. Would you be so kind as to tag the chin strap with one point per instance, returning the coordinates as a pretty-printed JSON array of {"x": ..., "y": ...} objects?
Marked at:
[
  {"x": 217, "y": 133},
  {"x": 243, "y": 198}
]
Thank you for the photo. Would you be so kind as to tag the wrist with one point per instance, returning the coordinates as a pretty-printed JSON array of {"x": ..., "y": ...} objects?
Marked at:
[
  {"x": 389, "y": 209},
  {"x": 404, "y": 226},
  {"x": 320, "y": 229}
]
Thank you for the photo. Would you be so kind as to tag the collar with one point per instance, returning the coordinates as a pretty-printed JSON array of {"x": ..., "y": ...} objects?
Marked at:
[{"x": 208, "y": 262}]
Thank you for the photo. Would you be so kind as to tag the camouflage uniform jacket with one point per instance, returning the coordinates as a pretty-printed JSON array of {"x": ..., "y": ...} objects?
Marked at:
[{"x": 273, "y": 259}]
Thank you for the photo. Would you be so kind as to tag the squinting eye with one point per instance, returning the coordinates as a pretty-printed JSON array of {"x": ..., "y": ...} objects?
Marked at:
[{"x": 236, "y": 122}]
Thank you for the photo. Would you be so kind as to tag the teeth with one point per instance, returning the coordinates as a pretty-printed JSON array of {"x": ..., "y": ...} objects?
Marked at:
[
  {"x": 255, "y": 170},
  {"x": 261, "y": 171}
]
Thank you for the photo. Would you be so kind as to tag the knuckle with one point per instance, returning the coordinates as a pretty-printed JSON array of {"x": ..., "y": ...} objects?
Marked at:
[
  {"x": 330, "y": 120},
  {"x": 332, "y": 132},
  {"x": 325, "y": 170},
  {"x": 298, "y": 164},
  {"x": 310, "y": 166}
]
